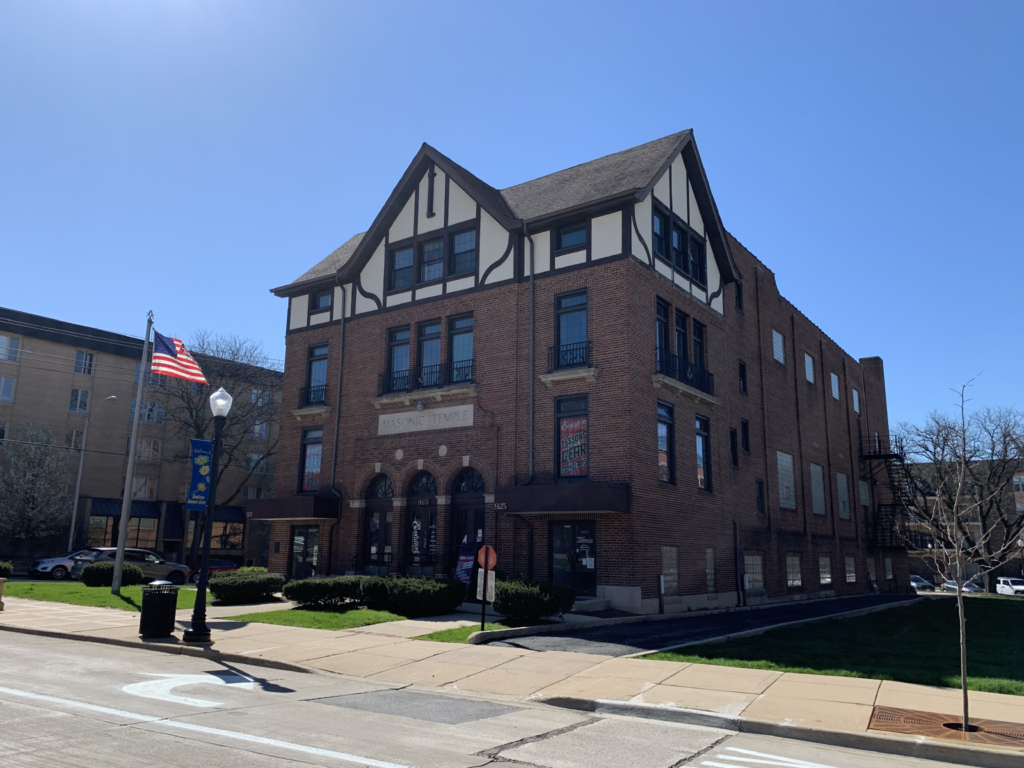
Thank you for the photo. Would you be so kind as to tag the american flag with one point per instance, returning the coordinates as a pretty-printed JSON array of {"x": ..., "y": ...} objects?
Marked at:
[{"x": 170, "y": 358}]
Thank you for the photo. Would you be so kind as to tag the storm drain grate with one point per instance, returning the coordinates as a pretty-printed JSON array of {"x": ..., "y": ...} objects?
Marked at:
[
  {"x": 421, "y": 706},
  {"x": 934, "y": 725}
]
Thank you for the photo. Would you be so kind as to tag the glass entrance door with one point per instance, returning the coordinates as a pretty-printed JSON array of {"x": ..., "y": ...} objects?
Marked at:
[
  {"x": 574, "y": 556},
  {"x": 305, "y": 551}
]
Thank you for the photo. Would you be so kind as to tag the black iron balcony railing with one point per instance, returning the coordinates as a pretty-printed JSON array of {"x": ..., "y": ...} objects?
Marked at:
[
  {"x": 426, "y": 377},
  {"x": 315, "y": 395},
  {"x": 688, "y": 373},
  {"x": 569, "y": 356},
  {"x": 882, "y": 447}
]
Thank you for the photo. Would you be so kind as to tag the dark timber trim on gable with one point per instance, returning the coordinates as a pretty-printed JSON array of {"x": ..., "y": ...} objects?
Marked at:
[{"x": 409, "y": 185}]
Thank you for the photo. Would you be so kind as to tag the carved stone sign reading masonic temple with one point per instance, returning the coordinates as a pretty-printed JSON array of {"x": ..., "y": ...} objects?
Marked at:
[{"x": 421, "y": 421}]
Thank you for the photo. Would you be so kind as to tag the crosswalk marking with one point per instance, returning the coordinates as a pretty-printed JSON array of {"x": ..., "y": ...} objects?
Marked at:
[{"x": 756, "y": 759}]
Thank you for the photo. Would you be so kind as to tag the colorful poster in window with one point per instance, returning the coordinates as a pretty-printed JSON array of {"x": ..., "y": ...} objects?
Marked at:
[
  {"x": 199, "y": 488},
  {"x": 572, "y": 447},
  {"x": 464, "y": 564}
]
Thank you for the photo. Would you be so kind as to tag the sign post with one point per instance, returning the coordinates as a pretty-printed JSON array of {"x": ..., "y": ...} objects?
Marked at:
[{"x": 487, "y": 558}]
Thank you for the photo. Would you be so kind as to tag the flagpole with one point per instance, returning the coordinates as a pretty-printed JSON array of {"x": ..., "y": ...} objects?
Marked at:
[{"x": 126, "y": 500}]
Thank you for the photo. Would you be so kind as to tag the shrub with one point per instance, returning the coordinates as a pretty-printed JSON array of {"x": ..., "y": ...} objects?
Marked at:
[
  {"x": 424, "y": 597},
  {"x": 234, "y": 588},
  {"x": 325, "y": 593},
  {"x": 373, "y": 592},
  {"x": 532, "y": 600},
  {"x": 6, "y": 569},
  {"x": 102, "y": 574},
  {"x": 251, "y": 569}
]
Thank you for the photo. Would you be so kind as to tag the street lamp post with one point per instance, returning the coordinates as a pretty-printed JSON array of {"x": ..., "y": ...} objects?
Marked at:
[
  {"x": 78, "y": 480},
  {"x": 198, "y": 632}
]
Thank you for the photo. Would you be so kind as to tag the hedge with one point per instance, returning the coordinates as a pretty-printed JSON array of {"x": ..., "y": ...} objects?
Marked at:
[
  {"x": 6, "y": 569},
  {"x": 404, "y": 596},
  {"x": 424, "y": 597},
  {"x": 324, "y": 593},
  {"x": 251, "y": 569},
  {"x": 102, "y": 574},
  {"x": 532, "y": 600},
  {"x": 234, "y": 588}
]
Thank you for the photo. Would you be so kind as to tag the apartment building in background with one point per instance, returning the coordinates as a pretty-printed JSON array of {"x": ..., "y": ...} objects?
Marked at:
[
  {"x": 587, "y": 372},
  {"x": 56, "y": 374}
]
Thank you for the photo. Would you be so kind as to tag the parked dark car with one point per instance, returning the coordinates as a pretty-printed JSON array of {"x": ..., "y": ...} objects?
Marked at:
[
  {"x": 968, "y": 588},
  {"x": 153, "y": 566},
  {"x": 921, "y": 585},
  {"x": 215, "y": 567}
]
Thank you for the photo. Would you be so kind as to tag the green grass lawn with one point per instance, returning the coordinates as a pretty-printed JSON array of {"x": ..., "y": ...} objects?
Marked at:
[
  {"x": 916, "y": 644},
  {"x": 76, "y": 593},
  {"x": 333, "y": 620},
  {"x": 457, "y": 635}
]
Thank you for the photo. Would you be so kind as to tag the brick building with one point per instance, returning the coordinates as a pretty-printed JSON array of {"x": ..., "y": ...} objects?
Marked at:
[
  {"x": 585, "y": 371},
  {"x": 58, "y": 375}
]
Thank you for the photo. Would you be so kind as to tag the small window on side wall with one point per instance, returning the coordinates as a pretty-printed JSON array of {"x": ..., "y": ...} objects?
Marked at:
[
  {"x": 739, "y": 297},
  {"x": 659, "y": 234},
  {"x": 321, "y": 300},
  {"x": 779, "y": 346},
  {"x": 571, "y": 236}
]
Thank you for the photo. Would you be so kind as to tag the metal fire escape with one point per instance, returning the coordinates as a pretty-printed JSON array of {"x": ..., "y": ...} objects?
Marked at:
[{"x": 889, "y": 526}]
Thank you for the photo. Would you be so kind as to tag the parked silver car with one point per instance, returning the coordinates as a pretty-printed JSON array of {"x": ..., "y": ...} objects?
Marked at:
[
  {"x": 153, "y": 566},
  {"x": 56, "y": 568},
  {"x": 969, "y": 587}
]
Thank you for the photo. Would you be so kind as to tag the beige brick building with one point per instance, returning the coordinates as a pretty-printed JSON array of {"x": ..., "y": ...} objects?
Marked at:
[{"x": 57, "y": 374}]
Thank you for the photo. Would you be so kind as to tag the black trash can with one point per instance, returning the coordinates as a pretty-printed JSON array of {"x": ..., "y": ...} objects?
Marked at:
[{"x": 159, "y": 602}]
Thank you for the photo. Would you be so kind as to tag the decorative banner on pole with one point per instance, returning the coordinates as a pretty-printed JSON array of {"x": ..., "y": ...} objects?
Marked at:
[{"x": 199, "y": 488}]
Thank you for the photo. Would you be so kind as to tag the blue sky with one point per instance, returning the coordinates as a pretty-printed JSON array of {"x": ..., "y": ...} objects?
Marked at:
[{"x": 186, "y": 156}]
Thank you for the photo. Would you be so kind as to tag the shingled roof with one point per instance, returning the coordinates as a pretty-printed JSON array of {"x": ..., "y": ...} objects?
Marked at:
[
  {"x": 626, "y": 171},
  {"x": 334, "y": 261},
  {"x": 613, "y": 176}
]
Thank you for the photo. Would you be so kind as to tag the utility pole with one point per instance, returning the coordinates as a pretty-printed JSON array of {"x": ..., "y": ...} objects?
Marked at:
[{"x": 126, "y": 500}]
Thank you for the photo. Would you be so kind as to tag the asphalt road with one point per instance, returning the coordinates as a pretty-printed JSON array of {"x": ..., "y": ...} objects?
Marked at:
[
  {"x": 626, "y": 639},
  {"x": 67, "y": 703}
]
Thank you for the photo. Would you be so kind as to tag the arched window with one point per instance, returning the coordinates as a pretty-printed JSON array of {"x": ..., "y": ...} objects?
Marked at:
[
  {"x": 380, "y": 488},
  {"x": 423, "y": 485},
  {"x": 469, "y": 482}
]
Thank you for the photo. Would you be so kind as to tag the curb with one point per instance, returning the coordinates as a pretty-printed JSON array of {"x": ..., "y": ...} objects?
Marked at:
[
  {"x": 165, "y": 646},
  {"x": 891, "y": 744},
  {"x": 480, "y": 638}
]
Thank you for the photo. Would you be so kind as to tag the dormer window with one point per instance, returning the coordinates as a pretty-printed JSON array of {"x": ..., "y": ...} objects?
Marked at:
[
  {"x": 464, "y": 252},
  {"x": 432, "y": 260},
  {"x": 698, "y": 262},
  {"x": 572, "y": 236}
]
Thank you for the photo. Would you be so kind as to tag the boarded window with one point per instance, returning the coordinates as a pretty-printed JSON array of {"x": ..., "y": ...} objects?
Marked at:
[
  {"x": 825, "y": 570},
  {"x": 856, "y": 401},
  {"x": 809, "y": 368},
  {"x": 793, "y": 575},
  {"x": 844, "y": 495},
  {"x": 670, "y": 570},
  {"x": 818, "y": 489},
  {"x": 835, "y": 386},
  {"x": 787, "y": 490},
  {"x": 851, "y": 570},
  {"x": 888, "y": 568},
  {"x": 709, "y": 568},
  {"x": 779, "y": 346},
  {"x": 865, "y": 493},
  {"x": 753, "y": 573}
]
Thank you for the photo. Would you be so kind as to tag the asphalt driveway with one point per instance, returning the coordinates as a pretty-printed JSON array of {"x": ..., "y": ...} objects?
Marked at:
[{"x": 626, "y": 639}]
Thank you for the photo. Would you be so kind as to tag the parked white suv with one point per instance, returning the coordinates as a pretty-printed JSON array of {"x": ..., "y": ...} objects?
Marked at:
[{"x": 1006, "y": 585}]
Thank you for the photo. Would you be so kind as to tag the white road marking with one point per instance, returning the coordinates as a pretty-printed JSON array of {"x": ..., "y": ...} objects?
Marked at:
[
  {"x": 365, "y": 761},
  {"x": 788, "y": 762},
  {"x": 161, "y": 688}
]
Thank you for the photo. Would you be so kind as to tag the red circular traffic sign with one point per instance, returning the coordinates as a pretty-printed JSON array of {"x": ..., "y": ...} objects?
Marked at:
[{"x": 487, "y": 557}]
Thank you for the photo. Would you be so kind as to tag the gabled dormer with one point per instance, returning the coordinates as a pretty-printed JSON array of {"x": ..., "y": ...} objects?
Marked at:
[{"x": 443, "y": 230}]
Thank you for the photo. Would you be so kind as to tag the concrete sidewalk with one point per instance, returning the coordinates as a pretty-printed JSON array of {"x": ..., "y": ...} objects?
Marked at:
[{"x": 834, "y": 710}]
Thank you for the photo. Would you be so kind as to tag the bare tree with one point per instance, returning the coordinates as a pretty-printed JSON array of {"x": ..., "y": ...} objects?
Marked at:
[
  {"x": 960, "y": 468},
  {"x": 33, "y": 492},
  {"x": 243, "y": 368}
]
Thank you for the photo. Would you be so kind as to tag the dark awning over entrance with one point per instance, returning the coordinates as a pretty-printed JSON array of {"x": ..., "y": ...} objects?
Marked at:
[
  {"x": 294, "y": 508},
  {"x": 594, "y": 498},
  {"x": 112, "y": 508}
]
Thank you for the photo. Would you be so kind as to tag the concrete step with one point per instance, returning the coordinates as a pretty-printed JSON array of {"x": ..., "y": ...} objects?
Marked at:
[{"x": 590, "y": 604}]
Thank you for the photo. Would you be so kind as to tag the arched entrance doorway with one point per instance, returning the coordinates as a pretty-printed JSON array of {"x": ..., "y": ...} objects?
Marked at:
[
  {"x": 422, "y": 505},
  {"x": 380, "y": 513},
  {"x": 467, "y": 522}
]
